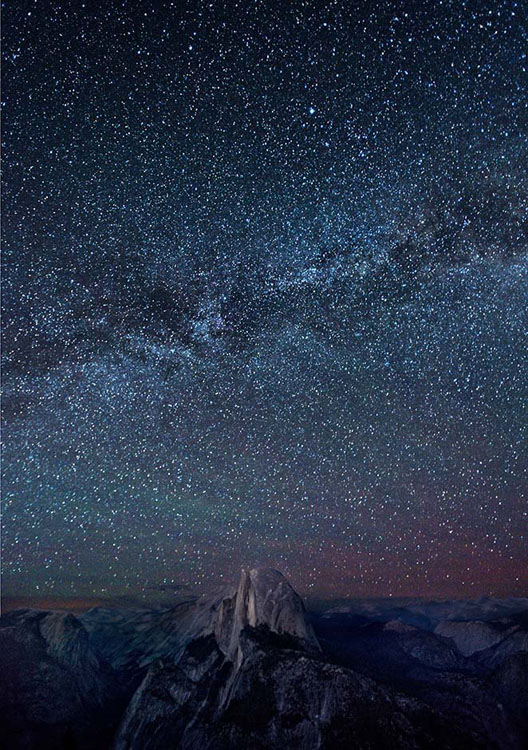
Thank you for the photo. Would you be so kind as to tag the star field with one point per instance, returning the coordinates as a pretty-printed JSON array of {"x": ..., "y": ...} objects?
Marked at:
[{"x": 265, "y": 295}]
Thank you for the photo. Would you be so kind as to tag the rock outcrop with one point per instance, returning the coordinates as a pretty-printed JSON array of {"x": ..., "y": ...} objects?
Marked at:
[
  {"x": 264, "y": 598},
  {"x": 274, "y": 697},
  {"x": 132, "y": 639},
  {"x": 257, "y": 679},
  {"x": 55, "y": 691}
]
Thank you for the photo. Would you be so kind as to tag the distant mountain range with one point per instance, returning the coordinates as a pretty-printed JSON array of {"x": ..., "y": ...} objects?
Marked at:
[{"x": 248, "y": 668}]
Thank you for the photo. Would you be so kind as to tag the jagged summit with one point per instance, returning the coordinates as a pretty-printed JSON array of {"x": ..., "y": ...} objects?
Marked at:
[{"x": 263, "y": 598}]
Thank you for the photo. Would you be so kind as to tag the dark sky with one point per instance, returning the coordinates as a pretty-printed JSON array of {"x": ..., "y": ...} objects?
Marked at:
[{"x": 265, "y": 295}]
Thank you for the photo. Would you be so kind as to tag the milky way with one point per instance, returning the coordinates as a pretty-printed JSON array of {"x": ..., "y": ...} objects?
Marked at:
[{"x": 265, "y": 295}]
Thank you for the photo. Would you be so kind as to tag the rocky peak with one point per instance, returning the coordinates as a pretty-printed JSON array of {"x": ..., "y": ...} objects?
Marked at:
[
  {"x": 263, "y": 598},
  {"x": 63, "y": 636}
]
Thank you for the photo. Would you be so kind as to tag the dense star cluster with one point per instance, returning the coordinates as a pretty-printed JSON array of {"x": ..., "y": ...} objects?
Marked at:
[{"x": 265, "y": 295}]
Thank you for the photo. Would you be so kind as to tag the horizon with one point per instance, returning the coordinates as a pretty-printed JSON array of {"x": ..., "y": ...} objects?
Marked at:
[
  {"x": 167, "y": 593},
  {"x": 314, "y": 603}
]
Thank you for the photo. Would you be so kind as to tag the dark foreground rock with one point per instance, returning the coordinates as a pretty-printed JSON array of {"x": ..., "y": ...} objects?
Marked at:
[
  {"x": 55, "y": 691},
  {"x": 275, "y": 696}
]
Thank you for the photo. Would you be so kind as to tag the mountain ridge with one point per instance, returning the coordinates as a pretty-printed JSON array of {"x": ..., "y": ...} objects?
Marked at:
[{"x": 246, "y": 666}]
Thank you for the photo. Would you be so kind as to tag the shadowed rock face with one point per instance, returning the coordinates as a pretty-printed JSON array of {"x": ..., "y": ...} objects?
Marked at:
[
  {"x": 55, "y": 691},
  {"x": 275, "y": 697},
  {"x": 510, "y": 682},
  {"x": 243, "y": 668},
  {"x": 471, "y": 637}
]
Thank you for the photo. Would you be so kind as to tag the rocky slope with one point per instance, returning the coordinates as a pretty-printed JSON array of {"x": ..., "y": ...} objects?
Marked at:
[
  {"x": 471, "y": 637},
  {"x": 55, "y": 690},
  {"x": 135, "y": 638},
  {"x": 274, "y": 696},
  {"x": 258, "y": 679},
  {"x": 247, "y": 667}
]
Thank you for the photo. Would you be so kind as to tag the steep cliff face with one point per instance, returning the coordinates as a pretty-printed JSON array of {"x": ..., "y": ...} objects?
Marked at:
[
  {"x": 220, "y": 637},
  {"x": 133, "y": 639},
  {"x": 258, "y": 679},
  {"x": 264, "y": 598},
  {"x": 183, "y": 705}
]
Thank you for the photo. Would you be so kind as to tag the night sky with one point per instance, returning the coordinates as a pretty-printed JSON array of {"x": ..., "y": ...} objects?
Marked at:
[{"x": 265, "y": 296}]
